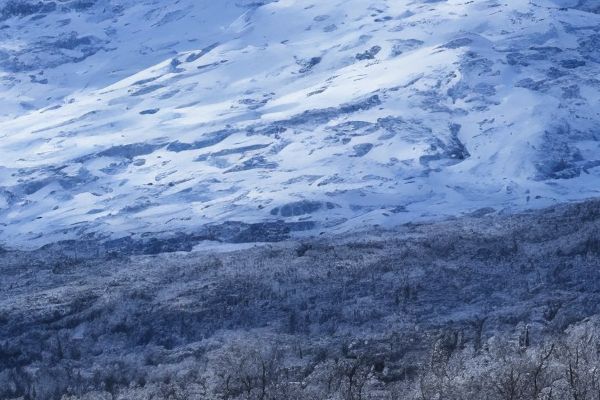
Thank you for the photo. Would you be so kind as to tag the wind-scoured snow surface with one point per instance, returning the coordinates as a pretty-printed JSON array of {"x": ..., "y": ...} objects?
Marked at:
[{"x": 135, "y": 117}]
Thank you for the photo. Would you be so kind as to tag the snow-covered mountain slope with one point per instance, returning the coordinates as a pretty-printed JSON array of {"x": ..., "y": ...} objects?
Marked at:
[{"x": 127, "y": 117}]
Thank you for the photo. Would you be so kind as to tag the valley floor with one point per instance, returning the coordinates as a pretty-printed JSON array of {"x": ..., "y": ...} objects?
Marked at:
[{"x": 479, "y": 307}]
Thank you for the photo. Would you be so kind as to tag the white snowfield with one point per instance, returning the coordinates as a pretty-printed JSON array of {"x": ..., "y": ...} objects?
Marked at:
[{"x": 122, "y": 117}]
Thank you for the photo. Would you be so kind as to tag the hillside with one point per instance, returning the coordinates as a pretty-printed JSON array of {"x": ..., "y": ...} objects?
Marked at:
[
  {"x": 461, "y": 309},
  {"x": 125, "y": 118}
]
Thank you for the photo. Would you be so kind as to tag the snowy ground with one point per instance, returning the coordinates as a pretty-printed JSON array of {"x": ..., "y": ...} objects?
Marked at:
[{"x": 128, "y": 118}]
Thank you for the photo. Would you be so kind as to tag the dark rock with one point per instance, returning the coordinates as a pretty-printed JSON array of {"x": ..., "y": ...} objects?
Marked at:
[{"x": 368, "y": 54}]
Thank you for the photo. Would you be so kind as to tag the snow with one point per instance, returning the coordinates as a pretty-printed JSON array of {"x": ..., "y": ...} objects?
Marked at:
[{"x": 156, "y": 118}]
